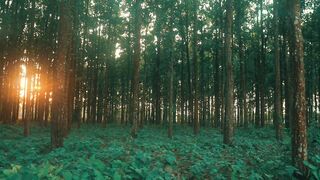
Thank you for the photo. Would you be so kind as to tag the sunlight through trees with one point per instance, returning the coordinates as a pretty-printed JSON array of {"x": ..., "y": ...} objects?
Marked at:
[{"x": 226, "y": 65}]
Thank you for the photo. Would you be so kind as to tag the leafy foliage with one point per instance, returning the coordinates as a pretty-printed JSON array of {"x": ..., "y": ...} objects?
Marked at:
[
  {"x": 314, "y": 167},
  {"x": 93, "y": 152}
]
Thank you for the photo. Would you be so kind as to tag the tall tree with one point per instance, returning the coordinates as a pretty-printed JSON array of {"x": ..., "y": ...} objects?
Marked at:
[
  {"x": 171, "y": 75},
  {"x": 195, "y": 115},
  {"x": 59, "y": 104},
  {"x": 157, "y": 73},
  {"x": 262, "y": 64},
  {"x": 218, "y": 86},
  {"x": 240, "y": 7},
  {"x": 229, "y": 106},
  {"x": 277, "y": 86},
  {"x": 136, "y": 65},
  {"x": 189, "y": 73},
  {"x": 299, "y": 129}
]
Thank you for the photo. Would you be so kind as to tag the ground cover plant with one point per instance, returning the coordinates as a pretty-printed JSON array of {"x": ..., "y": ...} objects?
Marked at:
[
  {"x": 159, "y": 89},
  {"x": 93, "y": 152}
]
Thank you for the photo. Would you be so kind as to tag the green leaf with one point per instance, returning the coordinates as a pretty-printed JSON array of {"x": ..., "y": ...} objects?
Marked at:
[
  {"x": 171, "y": 159},
  {"x": 44, "y": 170},
  {"x": 143, "y": 157},
  {"x": 116, "y": 176},
  {"x": 309, "y": 165},
  {"x": 255, "y": 176},
  {"x": 97, "y": 163},
  {"x": 7, "y": 172},
  {"x": 85, "y": 176},
  {"x": 14, "y": 170},
  {"x": 197, "y": 169},
  {"x": 314, "y": 169},
  {"x": 213, "y": 171},
  {"x": 290, "y": 169},
  {"x": 98, "y": 175},
  {"x": 155, "y": 174},
  {"x": 67, "y": 175}
]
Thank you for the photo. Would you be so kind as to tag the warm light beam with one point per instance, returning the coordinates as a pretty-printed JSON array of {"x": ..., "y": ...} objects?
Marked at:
[{"x": 23, "y": 81}]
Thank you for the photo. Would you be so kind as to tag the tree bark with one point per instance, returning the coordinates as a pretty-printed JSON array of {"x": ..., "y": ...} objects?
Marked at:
[
  {"x": 189, "y": 80},
  {"x": 217, "y": 94},
  {"x": 136, "y": 65},
  {"x": 277, "y": 87},
  {"x": 299, "y": 129},
  {"x": 59, "y": 100},
  {"x": 171, "y": 74},
  {"x": 262, "y": 69},
  {"x": 229, "y": 107},
  {"x": 196, "y": 123},
  {"x": 1, "y": 87}
]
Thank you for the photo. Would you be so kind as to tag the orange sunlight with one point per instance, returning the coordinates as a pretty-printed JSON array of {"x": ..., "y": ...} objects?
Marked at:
[{"x": 23, "y": 81}]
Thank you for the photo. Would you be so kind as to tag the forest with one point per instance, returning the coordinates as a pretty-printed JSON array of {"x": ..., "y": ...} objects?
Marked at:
[{"x": 159, "y": 89}]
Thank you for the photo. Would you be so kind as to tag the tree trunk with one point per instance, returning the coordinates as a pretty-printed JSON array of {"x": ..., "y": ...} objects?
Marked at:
[
  {"x": 182, "y": 88},
  {"x": 1, "y": 86},
  {"x": 217, "y": 90},
  {"x": 189, "y": 81},
  {"x": 257, "y": 95},
  {"x": 229, "y": 107},
  {"x": 196, "y": 123},
  {"x": 318, "y": 93},
  {"x": 243, "y": 89},
  {"x": 262, "y": 69},
  {"x": 136, "y": 64},
  {"x": 277, "y": 87},
  {"x": 158, "y": 82},
  {"x": 171, "y": 74},
  {"x": 26, "y": 130},
  {"x": 299, "y": 131},
  {"x": 59, "y": 100}
]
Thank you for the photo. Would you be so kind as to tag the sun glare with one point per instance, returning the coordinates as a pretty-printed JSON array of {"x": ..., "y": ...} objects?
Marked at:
[{"x": 23, "y": 80}]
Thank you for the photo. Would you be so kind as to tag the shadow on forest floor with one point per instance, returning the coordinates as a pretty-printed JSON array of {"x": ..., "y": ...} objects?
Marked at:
[{"x": 92, "y": 152}]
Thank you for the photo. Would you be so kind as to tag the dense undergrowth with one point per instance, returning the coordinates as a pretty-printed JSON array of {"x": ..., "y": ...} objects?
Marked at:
[{"x": 95, "y": 153}]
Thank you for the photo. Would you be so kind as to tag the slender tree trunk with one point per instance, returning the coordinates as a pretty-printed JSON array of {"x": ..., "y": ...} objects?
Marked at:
[
  {"x": 1, "y": 85},
  {"x": 189, "y": 80},
  {"x": 171, "y": 75},
  {"x": 262, "y": 69},
  {"x": 122, "y": 102},
  {"x": 229, "y": 107},
  {"x": 287, "y": 82},
  {"x": 47, "y": 99},
  {"x": 59, "y": 103},
  {"x": 183, "y": 102},
  {"x": 15, "y": 95},
  {"x": 77, "y": 55},
  {"x": 27, "y": 117},
  {"x": 158, "y": 84},
  {"x": 182, "y": 89},
  {"x": 277, "y": 87},
  {"x": 41, "y": 97},
  {"x": 217, "y": 90},
  {"x": 313, "y": 96},
  {"x": 70, "y": 86},
  {"x": 203, "y": 104},
  {"x": 93, "y": 103},
  {"x": 136, "y": 64},
  {"x": 196, "y": 123},
  {"x": 318, "y": 93},
  {"x": 106, "y": 116},
  {"x": 257, "y": 95},
  {"x": 243, "y": 89}
]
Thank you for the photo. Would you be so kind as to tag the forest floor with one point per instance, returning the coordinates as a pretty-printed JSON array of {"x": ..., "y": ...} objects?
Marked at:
[{"x": 92, "y": 152}]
